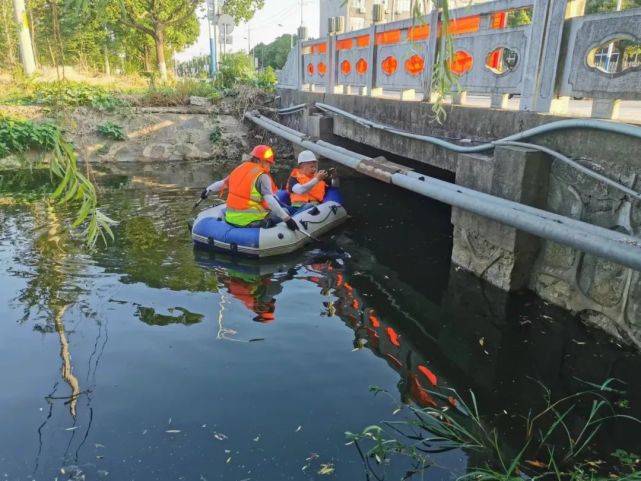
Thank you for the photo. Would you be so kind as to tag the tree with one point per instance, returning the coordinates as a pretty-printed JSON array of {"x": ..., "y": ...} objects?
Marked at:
[
  {"x": 274, "y": 54},
  {"x": 155, "y": 17},
  {"x": 598, "y": 6},
  {"x": 242, "y": 10}
]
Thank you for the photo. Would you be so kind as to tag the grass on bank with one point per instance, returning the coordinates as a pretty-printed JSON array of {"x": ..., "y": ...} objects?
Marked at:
[{"x": 556, "y": 441}]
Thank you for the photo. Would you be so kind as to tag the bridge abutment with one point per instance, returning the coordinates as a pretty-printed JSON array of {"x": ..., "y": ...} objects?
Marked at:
[{"x": 500, "y": 254}]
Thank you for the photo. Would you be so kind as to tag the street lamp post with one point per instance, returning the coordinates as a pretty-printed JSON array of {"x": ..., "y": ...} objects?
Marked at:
[{"x": 291, "y": 37}]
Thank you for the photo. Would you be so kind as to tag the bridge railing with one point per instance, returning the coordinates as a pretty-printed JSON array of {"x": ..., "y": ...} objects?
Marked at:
[{"x": 556, "y": 53}]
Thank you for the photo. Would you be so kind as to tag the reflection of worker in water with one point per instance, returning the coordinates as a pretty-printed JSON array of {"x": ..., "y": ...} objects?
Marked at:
[{"x": 257, "y": 293}]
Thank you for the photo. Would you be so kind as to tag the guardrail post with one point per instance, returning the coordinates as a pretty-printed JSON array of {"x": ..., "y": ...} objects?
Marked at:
[
  {"x": 331, "y": 67},
  {"x": 371, "y": 61},
  {"x": 430, "y": 56},
  {"x": 299, "y": 65},
  {"x": 605, "y": 108},
  {"x": 542, "y": 59}
]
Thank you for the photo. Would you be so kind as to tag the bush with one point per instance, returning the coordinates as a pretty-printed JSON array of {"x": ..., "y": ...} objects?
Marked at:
[
  {"x": 112, "y": 130},
  {"x": 267, "y": 79},
  {"x": 235, "y": 68},
  {"x": 71, "y": 94},
  {"x": 17, "y": 136}
]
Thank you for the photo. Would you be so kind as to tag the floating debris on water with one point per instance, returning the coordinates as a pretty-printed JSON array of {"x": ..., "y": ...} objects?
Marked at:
[
  {"x": 173, "y": 431},
  {"x": 326, "y": 469},
  {"x": 298, "y": 428},
  {"x": 220, "y": 436}
]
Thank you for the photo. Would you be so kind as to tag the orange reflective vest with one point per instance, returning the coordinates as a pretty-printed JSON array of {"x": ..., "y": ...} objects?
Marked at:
[
  {"x": 245, "y": 204},
  {"x": 313, "y": 196}
]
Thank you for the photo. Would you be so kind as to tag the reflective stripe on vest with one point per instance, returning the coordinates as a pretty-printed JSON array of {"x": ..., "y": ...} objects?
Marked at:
[
  {"x": 313, "y": 196},
  {"x": 245, "y": 204}
]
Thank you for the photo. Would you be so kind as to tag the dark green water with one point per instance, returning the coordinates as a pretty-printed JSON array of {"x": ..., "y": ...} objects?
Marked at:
[{"x": 148, "y": 360}]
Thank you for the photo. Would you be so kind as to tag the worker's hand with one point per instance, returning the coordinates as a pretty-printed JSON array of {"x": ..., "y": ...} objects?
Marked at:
[
  {"x": 321, "y": 175},
  {"x": 292, "y": 225},
  {"x": 204, "y": 194}
]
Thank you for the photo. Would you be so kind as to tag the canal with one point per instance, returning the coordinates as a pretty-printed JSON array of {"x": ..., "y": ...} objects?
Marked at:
[{"x": 149, "y": 360}]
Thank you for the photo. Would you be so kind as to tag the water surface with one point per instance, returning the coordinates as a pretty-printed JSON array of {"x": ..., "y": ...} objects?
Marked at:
[{"x": 148, "y": 359}]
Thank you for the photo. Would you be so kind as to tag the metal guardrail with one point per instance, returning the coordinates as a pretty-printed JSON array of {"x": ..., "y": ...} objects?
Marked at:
[{"x": 555, "y": 57}]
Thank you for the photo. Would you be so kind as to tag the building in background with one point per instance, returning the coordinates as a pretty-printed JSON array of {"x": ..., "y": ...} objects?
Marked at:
[{"x": 358, "y": 13}]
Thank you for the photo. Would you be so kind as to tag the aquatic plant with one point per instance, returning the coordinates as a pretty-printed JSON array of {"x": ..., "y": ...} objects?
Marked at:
[
  {"x": 553, "y": 447},
  {"x": 17, "y": 136}
]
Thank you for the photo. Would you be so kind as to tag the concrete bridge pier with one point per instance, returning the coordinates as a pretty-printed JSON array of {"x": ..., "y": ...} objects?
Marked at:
[{"x": 497, "y": 253}]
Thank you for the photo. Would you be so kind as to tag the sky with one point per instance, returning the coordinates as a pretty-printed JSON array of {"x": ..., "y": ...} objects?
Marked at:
[{"x": 264, "y": 27}]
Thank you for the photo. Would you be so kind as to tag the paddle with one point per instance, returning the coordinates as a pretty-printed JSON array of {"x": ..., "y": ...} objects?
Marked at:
[{"x": 315, "y": 239}]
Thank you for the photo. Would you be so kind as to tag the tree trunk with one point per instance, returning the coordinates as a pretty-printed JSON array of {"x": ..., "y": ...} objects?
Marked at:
[
  {"x": 145, "y": 59},
  {"x": 32, "y": 27},
  {"x": 11, "y": 56},
  {"x": 107, "y": 66},
  {"x": 57, "y": 36},
  {"x": 159, "y": 38}
]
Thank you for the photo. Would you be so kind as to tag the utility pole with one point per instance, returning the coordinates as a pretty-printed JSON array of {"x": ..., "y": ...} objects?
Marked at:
[
  {"x": 26, "y": 49},
  {"x": 211, "y": 20}
]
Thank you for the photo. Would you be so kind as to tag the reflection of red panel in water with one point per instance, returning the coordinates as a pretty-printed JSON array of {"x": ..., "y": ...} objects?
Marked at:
[
  {"x": 428, "y": 374},
  {"x": 420, "y": 395},
  {"x": 393, "y": 337}
]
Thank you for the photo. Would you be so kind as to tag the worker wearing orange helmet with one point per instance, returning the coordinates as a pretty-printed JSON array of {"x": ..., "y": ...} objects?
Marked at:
[{"x": 250, "y": 200}]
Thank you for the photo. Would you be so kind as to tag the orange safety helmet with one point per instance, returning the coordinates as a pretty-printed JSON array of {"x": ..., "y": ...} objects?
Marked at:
[{"x": 263, "y": 152}]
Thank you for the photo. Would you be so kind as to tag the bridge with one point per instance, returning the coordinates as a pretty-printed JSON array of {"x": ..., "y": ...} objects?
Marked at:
[{"x": 373, "y": 87}]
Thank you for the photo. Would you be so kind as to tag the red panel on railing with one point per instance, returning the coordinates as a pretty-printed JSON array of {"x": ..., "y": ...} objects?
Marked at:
[
  {"x": 344, "y": 44},
  {"x": 389, "y": 65},
  {"x": 346, "y": 67},
  {"x": 418, "y": 33},
  {"x": 362, "y": 41},
  {"x": 384, "y": 38},
  {"x": 310, "y": 69},
  {"x": 461, "y": 62},
  {"x": 322, "y": 69},
  {"x": 414, "y": 65},
  {"x": 319, "y": 48},
  {"x": 494, "y": 59},
  {"x": 361, "y": 66},
  {"x": 464, "y": 25},
  {"x": 499, "y": 20}
]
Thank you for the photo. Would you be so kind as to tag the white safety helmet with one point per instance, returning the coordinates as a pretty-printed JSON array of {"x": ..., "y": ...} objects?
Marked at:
[{"x": 306, "y": 156}]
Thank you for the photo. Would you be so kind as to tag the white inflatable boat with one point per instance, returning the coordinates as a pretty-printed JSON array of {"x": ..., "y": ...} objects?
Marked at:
[{"x": 210, "y": 229}]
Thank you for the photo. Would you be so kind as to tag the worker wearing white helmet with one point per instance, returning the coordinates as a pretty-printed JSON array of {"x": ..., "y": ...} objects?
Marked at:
[{"x": 306, "y": 184}]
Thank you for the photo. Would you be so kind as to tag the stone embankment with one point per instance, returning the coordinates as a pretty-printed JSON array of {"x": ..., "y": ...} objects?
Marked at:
[{"x": 200, "y": 131}]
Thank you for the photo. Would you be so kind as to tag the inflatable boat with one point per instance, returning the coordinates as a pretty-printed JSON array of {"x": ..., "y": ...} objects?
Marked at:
[{"x": 211, "y": 231}]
